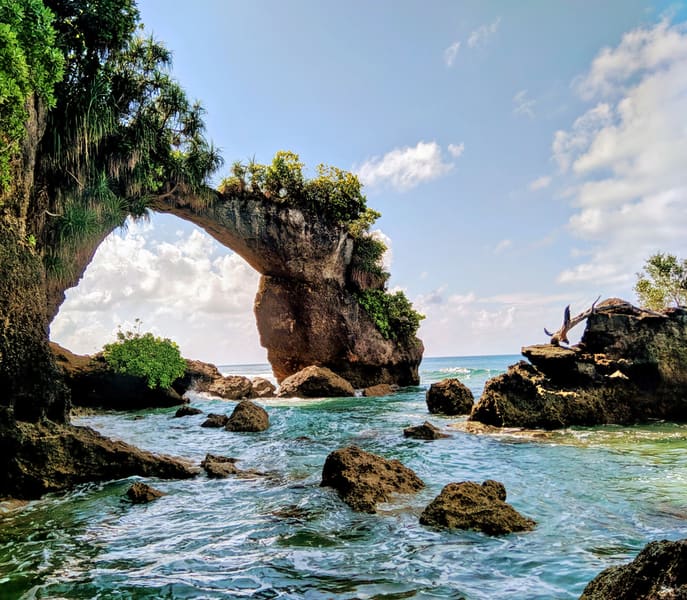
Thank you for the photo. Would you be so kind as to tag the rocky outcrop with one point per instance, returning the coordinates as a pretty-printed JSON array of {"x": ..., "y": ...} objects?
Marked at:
[
  {"x": 262, "y": 388},
  {"x": 215, "y": 420},
  {"x": 363, "y": 479},
  {"x": 469, "y": 505},
  {"x": 629, "y": 367},
  {"x": 187, "y": 411},
  {"x": 315, "y": 382},
  {"x": 248, "y": 417},
  {"x": 142, "y": 493},
  {"x": 449, "y": 397},
  {"x": 426, "y": 431},
  {"x": 658, "y": 572},
  {"x": 219, "y": 467}
]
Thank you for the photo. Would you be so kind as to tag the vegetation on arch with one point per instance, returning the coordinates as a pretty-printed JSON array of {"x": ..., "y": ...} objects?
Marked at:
[
  {"x": 662, "y": 282},
  {"x": 393, "y": 314},
  {"x": 156, "y": 359}
]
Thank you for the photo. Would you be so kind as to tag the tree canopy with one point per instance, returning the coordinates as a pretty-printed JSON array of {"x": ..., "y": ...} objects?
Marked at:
[{"x": 662, "y": 282}]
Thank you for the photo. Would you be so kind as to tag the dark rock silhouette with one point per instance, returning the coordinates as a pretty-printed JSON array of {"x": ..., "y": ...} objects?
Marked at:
[
  {"x": 215, "y": 420},
  {"x": 426, "y": 431},
  {"x": 249, "y": 417},
  {"x": 142, "y": 493},
  {"x": 449, "y": 397}
]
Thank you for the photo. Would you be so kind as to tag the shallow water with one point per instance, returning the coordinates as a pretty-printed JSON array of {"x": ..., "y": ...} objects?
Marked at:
[{"x": 598, "y": 496}]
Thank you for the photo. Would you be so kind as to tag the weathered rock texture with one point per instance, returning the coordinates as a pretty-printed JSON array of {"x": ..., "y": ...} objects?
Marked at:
[
  {"x": 630, "y": 367},
  {"x": 363, "y": 479},
  {"x": 426, "y": 431},
  {"x": 449, "y": 397},
  {"x": 187, "y": 411},
  {"x": 142, "y": 493},
  {"x": 215, "y": 420},
  {"x": 315, "y": 382},
  {"x": 658, "y": 573},
  {"x": 248, "y": 416},
  {"x": 469, "y": 505},
  {"x": 262, "y": 388},
  {"x": 381, "y": 389},
  {"x": 219, "y": 467}
]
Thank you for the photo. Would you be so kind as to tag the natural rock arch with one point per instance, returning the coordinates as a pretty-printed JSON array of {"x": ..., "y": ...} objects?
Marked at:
[{"x": 305, "y": 308}]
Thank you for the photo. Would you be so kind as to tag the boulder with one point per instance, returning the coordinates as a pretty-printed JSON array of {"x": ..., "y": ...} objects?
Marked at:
[
  {"x": 262, "y": 388},
  {"x": 231, "y": 387},
  {"x": 426, "y": 431},
  {"x": 219, "y": 467},
  {"x": 449, "y": 397},
  {"x": 198, "y": 376},
  {"x": 215, "y": 420},
  {"x": 469, "y": 505},
  {"x": 658, "y": 572},
  {"x": 142, "y": 493},
  {"x": 629, "y": 367},
  {"x": 315, "y": 382},
  {"x": 248, "y": 416},
  {"x": 381, "y": 389},
  {"x": 187, "y": 411},
  {"x": 363, "y": 479}
]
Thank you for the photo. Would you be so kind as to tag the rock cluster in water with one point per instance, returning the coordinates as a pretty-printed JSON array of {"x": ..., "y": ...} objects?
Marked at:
[{"x": 629, "y": 367}]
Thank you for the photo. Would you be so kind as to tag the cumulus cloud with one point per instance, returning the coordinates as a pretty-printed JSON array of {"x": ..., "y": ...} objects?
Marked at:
[
  {"x": 482, "y": 34},
  {"x": 450, "y": 53},
  {"x": 628, "y": 154},
  {"x": 456, "y": 150},
  {"x": 192, "y": 291},
  {"x": 523, "y": 104},
  {"x": 540, "y": 183},
  {"x": 405, "y": 168}
]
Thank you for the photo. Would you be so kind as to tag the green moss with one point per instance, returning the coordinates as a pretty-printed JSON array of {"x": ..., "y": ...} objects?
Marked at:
[{"x": 393, "y": 314}]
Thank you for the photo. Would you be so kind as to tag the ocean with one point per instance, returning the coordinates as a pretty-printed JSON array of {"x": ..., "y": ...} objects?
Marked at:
[{"x": 598, "y": 496}]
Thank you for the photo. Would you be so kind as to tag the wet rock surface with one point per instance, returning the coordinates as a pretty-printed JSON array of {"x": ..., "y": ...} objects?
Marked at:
[
  {"x": 381, "y": 389},
  {"x": 629, "y": 367},
  {"x": 469, "y": 505},
  {"x": 426, "y": 431},
  {"x": 315, "y": 382},
  {"x": 449, "y": 397},
  {"x": 187, "y": 411},
  {"x": 248, "y": 417},
  {"x": 658, "y": 573},
  {"x": 215, "y": 420},
  {"x": 219, "y": 467},
  {"x": 363, "y": 479},
  {"x": 142, "y": 493}
]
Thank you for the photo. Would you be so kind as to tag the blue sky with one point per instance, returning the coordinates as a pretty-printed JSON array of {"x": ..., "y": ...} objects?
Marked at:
[{"x": 524, "y": 155}]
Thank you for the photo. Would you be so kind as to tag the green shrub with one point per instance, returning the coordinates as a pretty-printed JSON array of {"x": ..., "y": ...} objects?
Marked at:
[
  {"x": 144, "y": 355},
  {"x": 393, "y": 314}
]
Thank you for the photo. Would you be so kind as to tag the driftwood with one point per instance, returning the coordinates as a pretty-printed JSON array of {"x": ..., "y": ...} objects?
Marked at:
[{"x": 610, "y": 305}]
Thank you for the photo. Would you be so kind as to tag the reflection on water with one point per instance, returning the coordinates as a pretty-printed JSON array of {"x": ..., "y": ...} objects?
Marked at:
[{"x": 598, "y": 496}]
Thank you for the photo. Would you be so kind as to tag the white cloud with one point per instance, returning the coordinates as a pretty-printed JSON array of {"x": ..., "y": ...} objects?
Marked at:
[
  {"x": 523, "y": 104},
  {"x": 456, "y": 150},
  {"x": 405, "y": 168},
  {"x": 480, "y": 35},
  {"x": 629, "y": 155},
  {"x": 388, "y": 256},
  {"x": 450, "y": 53},
  {"x": 540, "y": 183},
  {"x": 191, "y": 291},
  {"x": 502, "y": 246}
]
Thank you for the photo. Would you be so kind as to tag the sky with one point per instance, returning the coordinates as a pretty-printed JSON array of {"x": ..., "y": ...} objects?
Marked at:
[{"x": 524, "y": 156}]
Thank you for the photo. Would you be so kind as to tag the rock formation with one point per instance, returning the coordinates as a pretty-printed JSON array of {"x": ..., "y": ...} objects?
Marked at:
[
  {"x": 219, "y": 467},
  {"x": 248, "y": 416},
  {"x": 315, "y": 382},
  {"x": 142, "y": 493},
  {"x": 363, "y": 479},
  {"x": 469, "y": 505},
  {"x": 187, "y": 411},
  {"x": 449, "y": 397},
  {"x": 629, "y": 367},
  {"x": 381, "y": 389},
  {"x": 658, "y": 572},
  {"x": 215, "y": 420},
  {"x": 426, "y": 431}
]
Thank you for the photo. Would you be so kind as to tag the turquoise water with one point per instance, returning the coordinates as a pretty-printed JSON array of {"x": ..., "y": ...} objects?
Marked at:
[{"x": 598, "y": 496}]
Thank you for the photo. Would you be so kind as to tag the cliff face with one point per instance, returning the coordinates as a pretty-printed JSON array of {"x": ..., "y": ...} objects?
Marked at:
[{"x": 630, "y": 367}]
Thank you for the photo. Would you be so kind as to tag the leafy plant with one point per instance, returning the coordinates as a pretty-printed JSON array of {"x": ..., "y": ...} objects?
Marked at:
[
  {"x": 156, "y": 359},
  {"x": 662, "y": 282},
  {"x": 393, "y": 314}
]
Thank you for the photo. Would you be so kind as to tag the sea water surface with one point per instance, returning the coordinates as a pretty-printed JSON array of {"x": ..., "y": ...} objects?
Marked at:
[{"x": 598, "y": 496}]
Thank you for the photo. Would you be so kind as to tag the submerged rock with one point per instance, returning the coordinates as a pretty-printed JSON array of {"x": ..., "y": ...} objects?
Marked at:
[
  {"x": 658, "y": 572},
  {"x": 469, "y": 505},
  {"x": 315, "y": 382},
  {"x": 215, "y": 420},
  {"x": 426, "y": 431},
  {"x": 219, "y": 467},
  {"x": 142, "y": 493},
  {"x": 449, "y": 397},
  {"x": 262, "y": 388},
  {"x": 381, "y": 389},
  {"x": 248, "y": 416},
  {"x": 187, "y": 411},
  {"x": 630, "y": 367},
  {"x": 363, "y": 479}
]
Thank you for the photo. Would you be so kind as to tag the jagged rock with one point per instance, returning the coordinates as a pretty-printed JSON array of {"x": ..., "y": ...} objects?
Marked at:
[
  {"x": 449, "y": 397},
  {"x": 381, "y": 389},
  {"x": 94, "y": 385},
  {"x": 198, "y": 376},
  {"x": 630, "y": 367},
  {"x": 215, "y": 420},
  {"x": 262, "y": 388},
  {"x": 469, "y": 505},
  {"x": 658, "y": 573},
  {"x": 363, "y": 479},
  {"x": 426, "y": 431},
  {"x": 142, "y": 493},
  {"x": 187, "y": 411},
  {"x": 248, "y": 416},
  {"x": 315, "y": 382},
  {"x": 219, "y": 467},
  {"x": 48, "y": 457}
]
